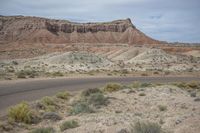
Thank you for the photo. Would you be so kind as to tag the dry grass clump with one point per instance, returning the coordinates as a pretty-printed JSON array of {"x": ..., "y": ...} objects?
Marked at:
[
  {"x": 111, "y": 87},
  {"x": 48, "y": 104},
  {"x": 63, "y": 95},
  {"x": 43, "y": 130},
  {"x": 57, "y": 74},
  {"x": 27, "y": 73},
  {"x": 187, "y": 85},
  {"x": 137, "y": 85},
  {"x": 21, "y": 113},
  {"x": 146, "y": 127},
  {"x": 88, "y": 92},
  {"x": 21, "y": 74},
  {"x": 69, "y": 124}
]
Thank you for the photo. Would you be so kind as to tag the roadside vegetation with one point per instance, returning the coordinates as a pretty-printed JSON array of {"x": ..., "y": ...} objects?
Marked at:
[
  {"x": 68, "y": 125},
  {"x": 43, "y": 130},
  {"x": 21, "y": 113},
  {"x": 146, "y": 127},
  {"x": 87, "y": 102}
]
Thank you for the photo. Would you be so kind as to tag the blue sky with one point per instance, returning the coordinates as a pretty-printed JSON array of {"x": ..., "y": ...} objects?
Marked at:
[{"x": 167, "y": 20}]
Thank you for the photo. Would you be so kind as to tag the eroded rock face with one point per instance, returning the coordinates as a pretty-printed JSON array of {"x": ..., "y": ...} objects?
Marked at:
[
  {"x": 114, "y": 26},
  {"x": 42, "y": 30}
]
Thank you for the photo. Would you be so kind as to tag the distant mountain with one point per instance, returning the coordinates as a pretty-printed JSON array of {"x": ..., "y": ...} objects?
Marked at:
[{"x": 42, "y": 30}]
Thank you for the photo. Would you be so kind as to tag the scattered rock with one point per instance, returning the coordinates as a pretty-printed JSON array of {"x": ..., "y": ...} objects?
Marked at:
[
  {"x": 197, "y": 99},
  {"x": 193, "y": 94},
  {"x": 52, "y": 116},
  {"x": 128, "y": 91},
  {"x": 178, "y": 121}
]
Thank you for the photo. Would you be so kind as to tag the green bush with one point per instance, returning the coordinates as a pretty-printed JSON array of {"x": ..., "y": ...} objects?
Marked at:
[
  {"x": 43, "y": 130},
  {"x": 81, "y": 107},
  {"x": 89, "y": 100},
  {"x": 141, "y": 127},
  {"x": 68, "y": 125},
  {"x": 63, "y": 95},
  {"x": 21, "y": 113},
  {"x": 97, "y": 99},
  {"x": 112, "y": 87},
  {"x": 162, "y": 107}
]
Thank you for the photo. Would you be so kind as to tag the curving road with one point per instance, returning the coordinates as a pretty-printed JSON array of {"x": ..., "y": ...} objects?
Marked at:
[{"x": 12, "y": 92}]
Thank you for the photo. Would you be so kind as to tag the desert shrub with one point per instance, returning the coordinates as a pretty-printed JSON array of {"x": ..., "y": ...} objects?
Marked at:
[
  {"x": 81, "y": 107},
  {"x": 180, "y": 84},
  {"x": 156, "y": 72},
  {"x": 142, "y": 94},
  {"x": 89, "y": 100},
  {"x": 90, "y": 73},
  {"x": 21, "y": 74},
  {"x": 25, "y": 73},
  {"x": 148, "y": 127},
  {"x": 15, "y": 62},
  {"x": 63, "y": 95},
  {"x": 33, "y": 74},
  {"x": 143, "y": 85},
  {"x": 189, "y": 85},
  {"x": 57, "y": 74},
  {"x": 162, "y": 107},
  {"x": 109, "y": 74},
  {"x": 97, "y": 99},
  {"x": 43, "y": 130},
  {"x": 88, "y": 92},
  {"x": 167, "y": 72},
  {"x": 140, "y": 85},
  {"x": 136, "y": 84},
  {"x": 125, "y": 71},
  {"x": 47, "y": 104},
  {"x": 10, "y": 69},
  {"x": 112, "y": 87},
  {"x": 47, "y": 101},
  {"x": 69, "y": 124},
  {"x": 21, "y": 113},
  {"x": 193, "y": 85},
  {"x": 144, "y": 74}
]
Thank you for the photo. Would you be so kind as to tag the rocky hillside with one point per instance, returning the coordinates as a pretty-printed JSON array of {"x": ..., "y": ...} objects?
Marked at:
[{"x": 41, "y": 30}]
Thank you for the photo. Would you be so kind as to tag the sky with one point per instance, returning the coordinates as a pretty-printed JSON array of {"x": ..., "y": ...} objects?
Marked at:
[{"x": 166, "y": 20}]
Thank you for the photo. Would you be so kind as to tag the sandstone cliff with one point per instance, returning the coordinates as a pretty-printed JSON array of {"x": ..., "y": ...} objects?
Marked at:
[{"x": 41, "y": 30}]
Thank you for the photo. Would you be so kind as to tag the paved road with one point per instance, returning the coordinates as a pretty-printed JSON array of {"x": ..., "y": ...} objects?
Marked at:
[{"x": 12, "y": 92}]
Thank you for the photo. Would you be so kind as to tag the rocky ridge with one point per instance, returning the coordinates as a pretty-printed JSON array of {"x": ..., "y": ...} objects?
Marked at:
[{"x": 43, "y": 30}]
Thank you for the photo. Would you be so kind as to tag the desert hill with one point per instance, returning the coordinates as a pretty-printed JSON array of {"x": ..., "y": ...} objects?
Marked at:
[{"x": 41, "y": 30}]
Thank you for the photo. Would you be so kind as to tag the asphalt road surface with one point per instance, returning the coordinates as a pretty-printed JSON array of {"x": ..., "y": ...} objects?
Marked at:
[{"x": 13, "y": 92}]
